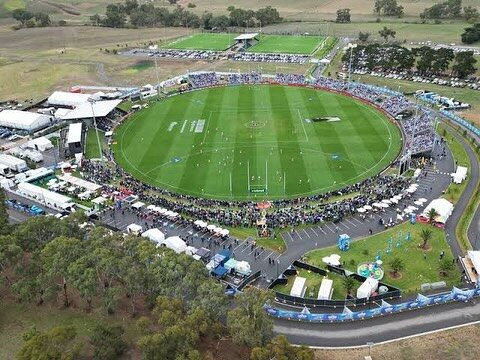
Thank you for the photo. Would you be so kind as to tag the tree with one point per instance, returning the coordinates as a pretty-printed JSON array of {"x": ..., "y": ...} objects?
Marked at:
[
  {"x": 280, "y": 348},
  {"x": 10, "y": 256},
  {"x": 57, "y": 256},
  {"x": 115, "y": 16},
  {"x": 386, "y": 33},
  {"x": 107, "y": 342},
  {"x": 432, "y": 214},
  {"x": 471, "y": 34},
  {"x": 249, "y": 324},
  {"x": 348, "y": 284},
  {"x": 443, "y": 57},
  {"x": 343, "y": 16},
  {"x": 425, "y": 235},
  {"x": 22, "y": 15},
  {"x": 363, "y": 36},
  {"x": 4, "y": 227},
  {"x": 268, "y": 15},
  {"x": 95, "y": 20},
  {"x": 388, "y": 8},
  {"x": 219, "y": 22},
  {"x": 449, "y": 9},
  {"x": 464, "y": 64},
  {"x": 471, "y": 14},
  {"x": 84, "y": 278},
  {"x": 445, "y": 266},
  {"x": 42, "y": 19},
  {"x": 397, "y": 265},
  {"x": 57, "y": 343}
]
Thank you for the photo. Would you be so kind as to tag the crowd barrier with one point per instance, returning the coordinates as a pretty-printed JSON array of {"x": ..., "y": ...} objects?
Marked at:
[
  {"x": 249, "y": 279},
  {"x": 421, "y": 301}
]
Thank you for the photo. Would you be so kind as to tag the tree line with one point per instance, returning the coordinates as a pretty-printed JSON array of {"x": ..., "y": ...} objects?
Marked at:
[
  {"x": 29, "y": 19},
  {"x": 131, "y": 13},
  {"x": 425, "y": 60},
  {"x": 47, "y": 260},
  {"x": 450, "y": 9},
  {"x": 471, "y": 34}
]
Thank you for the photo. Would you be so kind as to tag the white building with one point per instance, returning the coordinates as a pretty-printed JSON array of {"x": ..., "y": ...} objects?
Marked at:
[{"x": 45, "y": 197}]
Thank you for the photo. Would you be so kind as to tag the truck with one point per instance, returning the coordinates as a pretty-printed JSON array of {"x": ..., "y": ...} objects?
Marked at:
[{"x": 13, "y": 163}]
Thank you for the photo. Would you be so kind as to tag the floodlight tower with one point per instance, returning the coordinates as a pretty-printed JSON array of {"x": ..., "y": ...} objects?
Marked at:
[
  {"x": 155, "y": 48},
  {"x": 351, "y": 47},
  {"x": 92, "y": 101}
]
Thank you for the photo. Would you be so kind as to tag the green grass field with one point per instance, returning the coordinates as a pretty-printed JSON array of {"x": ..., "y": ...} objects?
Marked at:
[
  {"x": 256, "y": 142},
  {"x": 91, "y": 144},
  {"x": 287, "y": 44},
  {"x": 417, "y": 269},
  {"x": 217, "y": 42}
]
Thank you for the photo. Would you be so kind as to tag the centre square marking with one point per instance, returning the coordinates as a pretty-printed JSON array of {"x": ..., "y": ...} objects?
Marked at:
[{"x": 255, "y": 124}]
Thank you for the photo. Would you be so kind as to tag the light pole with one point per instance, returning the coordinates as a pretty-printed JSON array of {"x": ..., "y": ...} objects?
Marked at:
[
  {"x": 351, "y": 47},
  {"x": 278, "y": 262},
  {"x": 155, "y": 48},
  {"x": 370, "y": 344},
  {"x": 92, "y": 102}
]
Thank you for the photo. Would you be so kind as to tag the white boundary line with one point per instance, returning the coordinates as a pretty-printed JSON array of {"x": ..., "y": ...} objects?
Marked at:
[{"x": 301, "y": 122}]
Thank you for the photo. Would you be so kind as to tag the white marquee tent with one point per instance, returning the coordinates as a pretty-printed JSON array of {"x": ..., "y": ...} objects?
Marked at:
[
  {"x": 63, "y": 98},
  {"x": 24, "y": 120},
  {"x": 460, "y": 174},
  {"x": 443, "y": 207}
]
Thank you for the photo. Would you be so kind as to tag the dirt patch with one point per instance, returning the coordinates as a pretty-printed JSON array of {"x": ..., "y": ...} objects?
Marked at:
[
  {"x": 427, "y": 248},
  {"x": 455, "y": 344},
  {"x": 394, "y": 275}
]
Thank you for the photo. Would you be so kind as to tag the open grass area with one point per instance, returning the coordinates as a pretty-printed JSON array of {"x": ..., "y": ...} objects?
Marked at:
[
  {"x": 313, "y": 283},
  {"x": 454, "y": 191},
  {"x": 286, "y": 44},
  {"x": 91, "y": 144},
  {"x": 256, "y": 142},
  {"x": 325, "y": 47},
  {"x": 16, "y": 319},
  {"x": 417, "y": 269},
  {"x": 203, "y": 42},
  {"x": 11, "y": 5}
]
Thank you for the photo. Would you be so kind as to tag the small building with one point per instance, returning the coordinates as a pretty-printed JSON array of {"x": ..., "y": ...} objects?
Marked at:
[
  {"x": 246, "y": 40},
  {"x": 87, "y": 110},
  {"x": 46, "y": 197},
  {"x": 40, "y": 144},
  {"x": 25, "y": 120},
  {"x": 75, "y": 138}
]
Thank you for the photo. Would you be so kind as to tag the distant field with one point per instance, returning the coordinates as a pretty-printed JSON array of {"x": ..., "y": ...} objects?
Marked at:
[
  {"x": 286, "y": 44},
  {"x": 218, "y": 42},
  {"x": 445, "y": 32}
]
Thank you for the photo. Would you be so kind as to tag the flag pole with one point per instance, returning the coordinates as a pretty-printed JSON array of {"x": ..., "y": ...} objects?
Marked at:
[{"x": 248, "y": 175}]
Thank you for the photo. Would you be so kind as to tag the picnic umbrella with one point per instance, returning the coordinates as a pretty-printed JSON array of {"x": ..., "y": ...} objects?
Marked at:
[
  {"x": 224, "y": 232},
  {"x": 418, "y": 202},
  {"x": 367, "y": 207},
  {"x": 398, "y": 197},
  {"x": 384, "y": 205},
  {"x": 211, "y": 227},
  {"x": 361, "y": 210},
  {"x": 422, "y": 200},
  {"x": 386, "y": 201},
  {"x": 379, "y": 205}
]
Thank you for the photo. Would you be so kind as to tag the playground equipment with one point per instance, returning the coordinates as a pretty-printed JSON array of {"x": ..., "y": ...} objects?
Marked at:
[{"x": 344, "y": 242}]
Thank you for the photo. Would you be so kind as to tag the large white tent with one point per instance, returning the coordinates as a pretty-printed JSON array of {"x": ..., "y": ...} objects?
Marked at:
[
  {"x": 62, "y": 98},
  {"x": 24, "y": 120},
  {"x": 460, "y": 174},
  {"x": 443, "y": 207}
]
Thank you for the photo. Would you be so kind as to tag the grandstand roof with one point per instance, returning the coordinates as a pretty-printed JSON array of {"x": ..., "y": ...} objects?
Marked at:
[
  {"x": 246, "y": 36},
  {"x": 24, "y": 120},
  {"x": 100, "y": 109},
  {"x": 62, "y": 98},
  {"x": 74, "y": 133}
]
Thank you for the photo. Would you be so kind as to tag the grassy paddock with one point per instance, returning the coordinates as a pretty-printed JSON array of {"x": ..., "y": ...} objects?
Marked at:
[
  {"x": 16, "y": 319},
  {"x": 203, "y": 42},
  {"x": 417, "y": 269}
]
